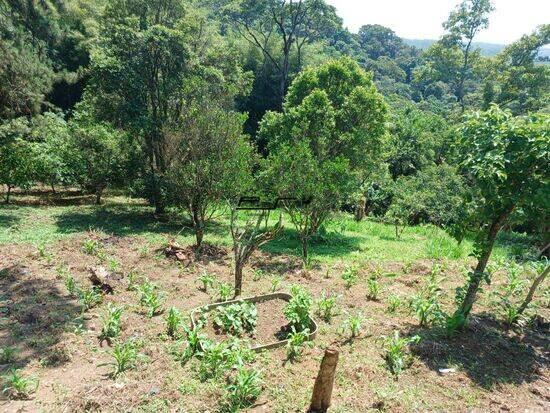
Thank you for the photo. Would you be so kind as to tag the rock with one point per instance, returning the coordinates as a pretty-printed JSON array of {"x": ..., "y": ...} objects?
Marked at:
[
  {"x": 154, "y": 391},
  {"x": 99, "y": 277},
  {"x": 447, "y": 371}
]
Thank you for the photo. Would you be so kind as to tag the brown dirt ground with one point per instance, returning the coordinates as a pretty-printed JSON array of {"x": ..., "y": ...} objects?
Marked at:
[{"x": 496, "y": 370}]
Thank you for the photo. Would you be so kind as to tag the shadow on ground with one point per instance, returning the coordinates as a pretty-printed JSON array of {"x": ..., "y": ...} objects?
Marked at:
[
  {"x": 486, "y": 352},
  {"x": 34, "y": 314}
]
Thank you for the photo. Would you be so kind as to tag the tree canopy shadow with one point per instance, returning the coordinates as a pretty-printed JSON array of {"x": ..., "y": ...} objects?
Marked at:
[
  {"x": 122, "y": 220},
  {"x": 335, "y": 245},
  {"x": 486, "y": 352},
  {"x": 34, "y": 314},
  {"x": 8, "y": 220}
]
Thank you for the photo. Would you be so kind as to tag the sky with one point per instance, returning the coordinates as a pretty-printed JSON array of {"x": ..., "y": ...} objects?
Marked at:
[{"x": 422, "y": 19}]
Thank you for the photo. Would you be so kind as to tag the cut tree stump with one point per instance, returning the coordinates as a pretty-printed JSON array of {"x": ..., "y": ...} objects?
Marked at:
[{"x": 322, "y": 391}]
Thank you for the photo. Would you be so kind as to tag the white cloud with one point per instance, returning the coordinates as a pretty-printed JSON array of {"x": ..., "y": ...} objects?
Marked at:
[{"x": 422, "y": 19}]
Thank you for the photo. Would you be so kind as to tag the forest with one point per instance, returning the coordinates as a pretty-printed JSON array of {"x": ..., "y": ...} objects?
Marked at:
[{"x": 241, "y": 205}]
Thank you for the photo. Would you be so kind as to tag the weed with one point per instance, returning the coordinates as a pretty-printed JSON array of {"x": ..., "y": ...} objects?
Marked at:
[
  {"x": 350, "y": 276},
  {"x": 17, "y": 386},
  {"x": 443, "y": 246},
  {"x": 7, "y": 355},
  {"x": 237, "y": 318},
  {"x": 150, "y": 298},
  {"x": 112, "y": 325},
  {"x": 91, "y": 247},
  {"x": 326, "y": 306},
  {"x": 224, "y": 292},
  {"x": 297, "y": 311},
  {"x": 243, "y": 389},
  {"x": 373, "y": 289},
  {"x": 395, "y": 352},
  {"x": 207, "y": 280},
  {"x": 173, "y": 322},
  {"x": 43, "y": 252},
  {"x": 296, "y": 342},
  {"x": 90, "y": 297}
]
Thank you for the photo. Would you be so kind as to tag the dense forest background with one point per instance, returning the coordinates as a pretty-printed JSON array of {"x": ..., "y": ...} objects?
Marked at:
[{"x": 103, "y": 93}]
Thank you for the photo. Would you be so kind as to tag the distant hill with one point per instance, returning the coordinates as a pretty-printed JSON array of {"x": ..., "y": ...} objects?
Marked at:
[{"x": 487, "y": 49}]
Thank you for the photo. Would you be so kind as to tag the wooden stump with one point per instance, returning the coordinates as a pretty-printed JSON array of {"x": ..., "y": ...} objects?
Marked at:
[{"x": 322, "y": 391}]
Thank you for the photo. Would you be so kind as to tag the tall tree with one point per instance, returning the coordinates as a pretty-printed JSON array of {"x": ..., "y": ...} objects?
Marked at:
[{"x": 464, "y": 23}]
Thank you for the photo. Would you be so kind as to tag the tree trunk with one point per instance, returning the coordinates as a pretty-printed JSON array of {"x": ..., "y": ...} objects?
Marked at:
[
  {"x": 198, "y": 224},
  {"x": 53, "y": 187},
  {"x": 477, "y": 276},
  {"x": 304, "y": 249},
  {"x": 322, "y": 391},
  {"x": 8, "y": 194},
  {"x": 360, "y": 210},
  {"x": 98, "y": 194},
  {"x": 238, "y": 278},
  {"x": 540, "y": 278}
]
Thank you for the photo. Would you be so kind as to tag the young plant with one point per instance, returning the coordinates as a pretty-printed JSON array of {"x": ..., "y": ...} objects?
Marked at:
[
  {"x": 113, "y": 264},
  {"x": 224, "y": 292},
  {"x": 297, "y": 311},
  {"x": 352, "y": 325},
  {"x": 214, "y": 361},
  {"x": 243, "y": 389},
  {"x": 350, "y": 276},
  {"x": 125, "y": 357},
  {"x": 257, "y": 274},
  {"x": 237, "y": 319},
  {"x": 173, "y": 322},
  {"x": 91, "y": 247},
  {"x": 90, "y": 297},
  {"x": 132, "y": 280},
  {"x": 112, "y": 325},
  {"x": 326, "y": 306},
  {"x": 373, "y": 288},
  {"x": 276, "y": 283},
  {"x": 17, "y": 386},
  {"x": 396, "y": 354},
  {"x": 207, "y": 280},
  {"x": 195, "y": 342},
  {"x": 150, "y": 298},
  {"x": 7, "y": 355},
  {"x": 425, "y": 304},
  {"x": 394, "y": 302},
  {"x": 70, "y": 285},
  {"x": 296, "y": 342}
]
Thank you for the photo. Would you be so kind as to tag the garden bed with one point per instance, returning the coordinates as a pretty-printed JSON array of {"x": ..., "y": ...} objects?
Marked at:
[{"x": 271, "y": 329}]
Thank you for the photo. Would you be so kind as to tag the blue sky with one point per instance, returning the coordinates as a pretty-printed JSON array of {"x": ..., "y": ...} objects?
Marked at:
[{"x": 421, "y": 19}]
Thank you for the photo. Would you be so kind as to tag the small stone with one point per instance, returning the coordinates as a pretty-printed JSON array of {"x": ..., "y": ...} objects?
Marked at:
[
  {"x": 447, "y": 371},
  {"x": 154, "y": 390}
]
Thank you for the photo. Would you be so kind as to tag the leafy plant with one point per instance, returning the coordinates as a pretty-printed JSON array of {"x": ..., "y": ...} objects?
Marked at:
[
  {"x": 326, "y": 306},
  {"x": 508, "y": 297},
  {"x": 150, "y": 298},
  {"x": 350, "y": 276},
  {"x": 275, "y": 283},
  {"x": 258, "y": 274},
  {"x": 243, "y": 389},
  {"x": 112, "y": 325},
  {"x": 90, "y": 297},
  {"x": 213, "y": 361},
  {"x": 125, "y": 357},
  {"x": 425, "y": 304},
  {"x": 298, "y": 309},
  {"x": 114, "y": 264},
  {"x": 91, "y": 246},
  {"x": 373, "y": 287},
  {"x": 237, "y": 318},
  {"x": 195, "y": 341},
  {"x": 352, "y": 324},
  {"x": 132, "y": 280},
  {"x": 224, "y": 292},
  {"x": 207, "y": 280},
  {"x": 296, "y": 342},
  {"x": 173, "y": 322},
  {"x": 396, "y": 355},
  {"x": 17, "y": 386},
  {"x": 70, "y": 285}
]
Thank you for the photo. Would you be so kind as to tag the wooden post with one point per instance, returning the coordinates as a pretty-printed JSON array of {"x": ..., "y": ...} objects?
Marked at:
[{"x": 322, "y": 391}]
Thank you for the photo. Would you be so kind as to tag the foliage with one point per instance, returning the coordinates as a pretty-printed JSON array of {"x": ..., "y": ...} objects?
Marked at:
[
  {"x": 150, "y": 298},
  {"x": 17, "y": 386},
  {"x": 236, "y": 319},
  {"x": 296, "y": 342},
  {"x": 125, "y": 355},
  {"x": 112, "y": 325},
  {"x": 425, "y": 304},
  {"x": 207, "y": 280},
  {"x": 244, "y": 388},
  {"x": 395, "y": 352},
  {"x": 224, "y": 291},
  {"x": 394, "y": 302},
  {"x": 174, "y": 319},
  {"x": 89, "y": 297},
  {"x": 352, "y": 325},
  {"x": 350, "y": 276},
  {"x": 373, "y": 287},
  {"x": 297, "y": 311},
  {"x": 326, "y": 306}
]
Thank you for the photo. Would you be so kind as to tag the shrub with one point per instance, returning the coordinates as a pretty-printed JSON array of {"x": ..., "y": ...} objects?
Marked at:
[
  {"x": 111, "y": 324},
  {"x": 297, "y": 311},
  {"x": 396, "y": 356},
  {"x": 236, "y": 319}
]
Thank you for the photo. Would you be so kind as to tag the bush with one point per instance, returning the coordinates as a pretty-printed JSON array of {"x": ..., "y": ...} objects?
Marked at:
[{"x": 297, "y": 311}]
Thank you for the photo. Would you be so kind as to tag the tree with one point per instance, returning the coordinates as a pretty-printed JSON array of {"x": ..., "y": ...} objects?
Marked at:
[
  {"x": 96, "y": 153},
  {"x": 505, "y": 159},
  {"x": 377, "y": 41},
  {"x": 464, "y": 23},
  {"x": 289, "y": 23},
  {"x": 17, "y": 155},
  {"x": 324, "y": 142},
  {"x": 212, "y": 162}
]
